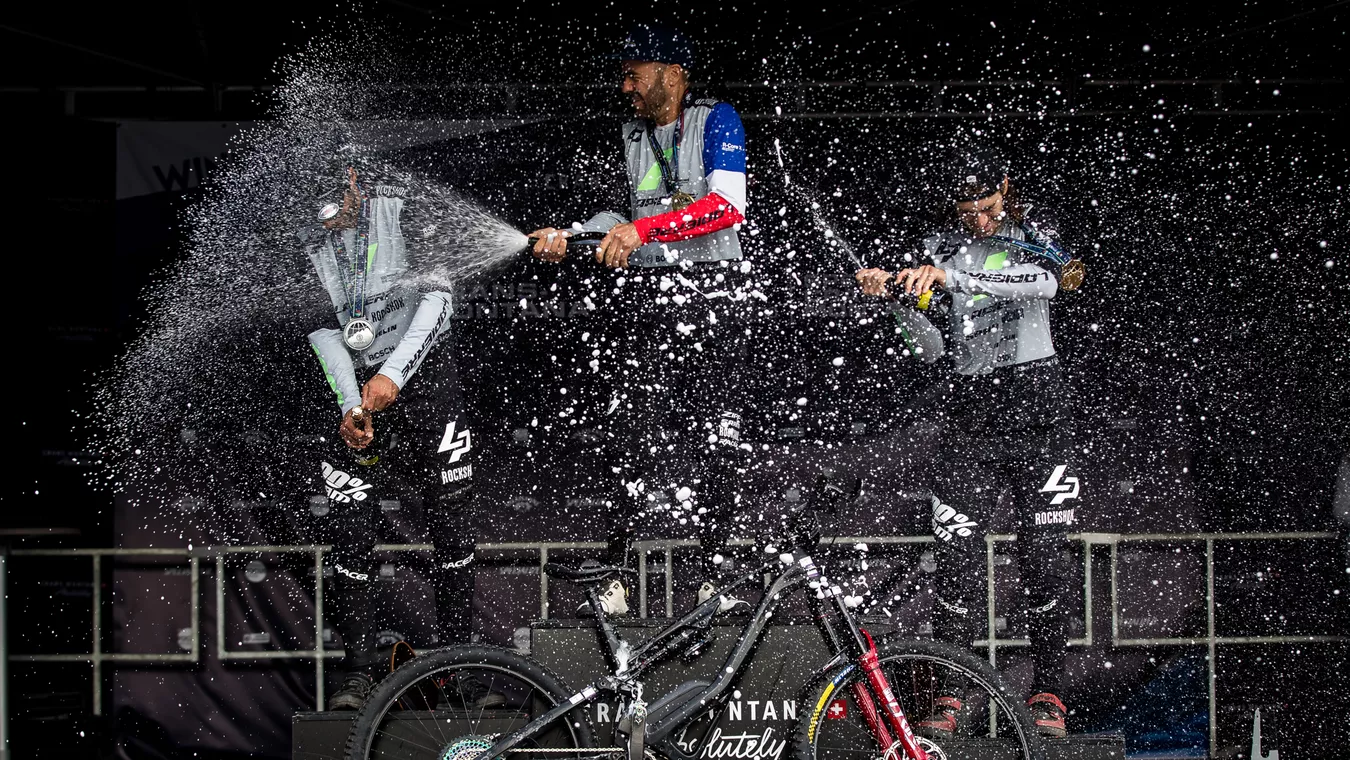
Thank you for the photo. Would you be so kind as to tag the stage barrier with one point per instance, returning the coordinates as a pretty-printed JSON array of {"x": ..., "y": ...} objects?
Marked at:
[{"x": 539, "y": 554}]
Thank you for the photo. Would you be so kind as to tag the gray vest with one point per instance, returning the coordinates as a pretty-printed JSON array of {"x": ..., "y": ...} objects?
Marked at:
[
  {"x": 648, "y": 195},
  {"x": 389, "y": 304},
  {"x": 989, "y": 331}
]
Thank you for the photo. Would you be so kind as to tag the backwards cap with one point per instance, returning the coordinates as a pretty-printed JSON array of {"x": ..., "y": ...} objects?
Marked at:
[{"x": 975, "y": 175}]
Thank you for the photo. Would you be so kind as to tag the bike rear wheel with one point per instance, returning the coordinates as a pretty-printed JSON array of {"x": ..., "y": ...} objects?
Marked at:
[
  {"x": 452, "y": 704},
  {"x": 995, "y": 724}
]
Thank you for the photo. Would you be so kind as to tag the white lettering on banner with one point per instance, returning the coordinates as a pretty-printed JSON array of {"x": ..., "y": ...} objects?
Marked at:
[
  {"x": 159, "y": 157},
  {"x": 787, "y": 707},
  {"x": 761, "y": 746},
  {"x": 457, "y": 444},
  {"x": 734, "y": 742},
  {"x": 736, "y": 710},
  {"x": 1063, "y": 488}
]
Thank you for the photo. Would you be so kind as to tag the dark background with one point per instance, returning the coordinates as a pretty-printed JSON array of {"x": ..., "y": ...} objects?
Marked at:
[{"x": 1202, "y": 181}]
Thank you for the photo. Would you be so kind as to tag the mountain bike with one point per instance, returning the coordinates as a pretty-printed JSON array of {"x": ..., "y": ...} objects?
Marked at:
[{"x": 490, "y": 703}]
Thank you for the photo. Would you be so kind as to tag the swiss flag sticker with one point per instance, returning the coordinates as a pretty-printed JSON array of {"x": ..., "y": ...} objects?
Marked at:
[{"x": 838, "y": 710}]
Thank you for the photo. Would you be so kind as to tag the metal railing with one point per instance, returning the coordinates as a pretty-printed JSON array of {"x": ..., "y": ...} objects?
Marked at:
[{"x": 97, "y": 657}]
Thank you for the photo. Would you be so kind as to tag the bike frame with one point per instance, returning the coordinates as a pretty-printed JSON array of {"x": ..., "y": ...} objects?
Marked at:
[{"x": 849, "y": 642}]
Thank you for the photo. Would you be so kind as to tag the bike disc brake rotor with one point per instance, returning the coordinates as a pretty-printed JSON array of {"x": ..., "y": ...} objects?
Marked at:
[
  {"x": 465, "y": 748},
  {"x": 934, "y": 751}
]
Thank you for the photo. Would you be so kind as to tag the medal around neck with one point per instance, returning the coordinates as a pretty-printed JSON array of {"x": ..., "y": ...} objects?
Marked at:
[
  {"x": 680, "y": 200},
  {"x": 358, "y": 334},
  {"x": 1071, "y": 274}
]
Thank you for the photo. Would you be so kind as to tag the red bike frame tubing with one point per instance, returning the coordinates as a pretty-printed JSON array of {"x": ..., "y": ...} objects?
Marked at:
[{"x": 871, "y": 665}]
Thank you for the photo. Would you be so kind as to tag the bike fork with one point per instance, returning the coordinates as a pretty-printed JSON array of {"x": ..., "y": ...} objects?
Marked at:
[{"x": 893, "y": 715}]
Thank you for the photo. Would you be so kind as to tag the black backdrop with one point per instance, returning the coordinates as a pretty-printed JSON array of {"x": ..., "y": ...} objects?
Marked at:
[{"x": 1207, "y": 350}]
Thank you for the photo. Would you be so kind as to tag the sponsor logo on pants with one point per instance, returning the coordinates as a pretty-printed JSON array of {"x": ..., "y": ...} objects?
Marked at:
[
  {"x": 342, "y": 487},
  {"x": 1060, "y": 517},
  {"x": 456, "y": 474},
  {"x": 456, "y": 443},
  {"x": 1063, "y": 488},
  {"x": 458, "y": 563},
  {"x": 948, "y": 522},
  {"x": 349, "y": 573}
]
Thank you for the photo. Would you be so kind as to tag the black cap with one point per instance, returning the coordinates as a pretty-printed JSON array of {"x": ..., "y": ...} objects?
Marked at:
[
  {"x": 975, "y": 175},
  {"x": 655, "y": 42}
]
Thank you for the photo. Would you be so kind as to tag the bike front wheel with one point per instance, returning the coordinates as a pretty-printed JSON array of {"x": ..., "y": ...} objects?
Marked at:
[
  {"x": 453, "y": 704},
  {"x": 991, "y": 722}
]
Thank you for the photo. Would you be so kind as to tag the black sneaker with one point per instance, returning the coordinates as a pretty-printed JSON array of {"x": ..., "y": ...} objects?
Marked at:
[
  {"x": 466, "y": 690},
  {"x": 353, "y": 692},
  {"x": 1048, "y": 712},
  {"x": 944, "y": 721}
]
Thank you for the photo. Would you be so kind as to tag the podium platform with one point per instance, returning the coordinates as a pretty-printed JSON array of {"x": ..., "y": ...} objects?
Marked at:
[{"x": 762, "y": 714}]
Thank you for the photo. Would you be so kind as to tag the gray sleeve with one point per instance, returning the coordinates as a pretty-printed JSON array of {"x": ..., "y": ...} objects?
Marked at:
[
  {"x": 602, "y": 222},
  {"x": 1023, "y": 281},
  {"x": 429, "y": 323},
  {"x": 337, "y": 366}
]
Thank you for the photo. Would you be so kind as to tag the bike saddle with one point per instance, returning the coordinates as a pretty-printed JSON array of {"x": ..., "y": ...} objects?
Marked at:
[{"x": 585, "y": 573}]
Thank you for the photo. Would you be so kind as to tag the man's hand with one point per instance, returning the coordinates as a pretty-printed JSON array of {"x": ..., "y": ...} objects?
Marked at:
[
  {"x": 378, "y": 393},
  {"x": 618, "y": 245},
  {"x": 921, "y": 280},
  {"x": 357, "y": 437},
  {"x": 873, "y": 281},
  {"x": 551, "y": 245}
]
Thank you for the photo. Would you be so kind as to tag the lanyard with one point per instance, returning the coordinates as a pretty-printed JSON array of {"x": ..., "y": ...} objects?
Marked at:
[
  {"x": 668, "y": 174},
  {"x": 360, "y": 260}
]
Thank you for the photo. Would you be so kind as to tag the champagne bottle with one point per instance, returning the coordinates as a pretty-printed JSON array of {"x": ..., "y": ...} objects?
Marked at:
[
  {"x": 930, "y": 300},
  {"x": 370, "y": 454}
]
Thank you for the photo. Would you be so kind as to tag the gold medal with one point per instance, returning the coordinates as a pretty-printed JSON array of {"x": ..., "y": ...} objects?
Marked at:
[
  {"x": 680, "y": 200},
  {"x": 1071, "y": 274}
]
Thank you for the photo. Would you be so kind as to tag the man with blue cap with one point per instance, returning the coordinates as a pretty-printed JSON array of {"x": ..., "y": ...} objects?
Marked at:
[{"x": 680, "y": 294}]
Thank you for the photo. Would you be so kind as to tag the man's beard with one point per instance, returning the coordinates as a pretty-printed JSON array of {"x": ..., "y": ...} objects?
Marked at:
[{"x": 650, "y": 106}]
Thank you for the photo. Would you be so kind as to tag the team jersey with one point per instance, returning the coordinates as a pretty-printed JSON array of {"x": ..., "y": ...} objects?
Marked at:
[
  {"x": 1000, "y": 288},
  {"x": 407, "y": 324},
  {"x": 711, "y": 160}
]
